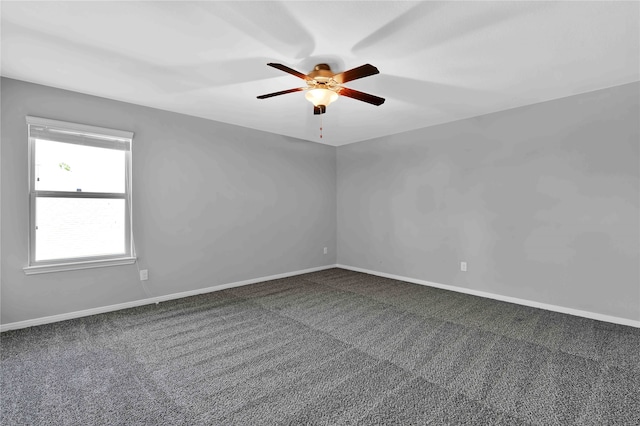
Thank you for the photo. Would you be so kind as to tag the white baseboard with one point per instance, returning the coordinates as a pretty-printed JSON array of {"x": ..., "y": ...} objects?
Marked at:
[
  {"x": 149, "y": 301},
  {"x": 524, "y": 302},
  {"x": 158, "y": 299}
]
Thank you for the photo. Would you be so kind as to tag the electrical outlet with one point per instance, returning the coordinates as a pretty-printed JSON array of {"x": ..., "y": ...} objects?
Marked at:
[
  {"x": 325, "y": 250},
  {"x": 144, "y": 274},
  {"x": 463, "y": 266}
]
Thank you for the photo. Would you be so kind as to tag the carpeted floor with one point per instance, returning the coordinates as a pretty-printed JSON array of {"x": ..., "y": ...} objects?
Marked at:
[{"x": 332, "y": 347}]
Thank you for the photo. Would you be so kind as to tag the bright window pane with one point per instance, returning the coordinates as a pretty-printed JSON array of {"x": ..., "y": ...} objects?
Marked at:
[
  {"x": 79, "y": 227},
  {"x": 70, "y": 167}
]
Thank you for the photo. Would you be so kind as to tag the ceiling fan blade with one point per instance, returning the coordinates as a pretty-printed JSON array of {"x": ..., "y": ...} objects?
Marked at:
[
  {"x": 361, "y": 96},
  {"x": 289, "y": 70},
  {"x": 353, "y": 74},
  {"x": 284, "y": 92}
]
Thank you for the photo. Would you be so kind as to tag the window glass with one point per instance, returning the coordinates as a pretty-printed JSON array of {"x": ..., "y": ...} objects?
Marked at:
[
  {"x": 78, "y": 168},
  {"x": 79, "y": 227}
]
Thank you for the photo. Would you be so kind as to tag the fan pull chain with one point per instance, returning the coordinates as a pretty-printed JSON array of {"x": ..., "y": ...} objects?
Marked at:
[{"x": 320, "y": 126}]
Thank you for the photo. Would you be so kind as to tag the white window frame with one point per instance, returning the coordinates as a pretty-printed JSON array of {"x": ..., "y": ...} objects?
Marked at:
[{"x": 90, "y": 136}]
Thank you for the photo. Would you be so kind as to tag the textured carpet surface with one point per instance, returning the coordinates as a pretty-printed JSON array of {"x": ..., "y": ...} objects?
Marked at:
[{"x": 332, "y": 347}]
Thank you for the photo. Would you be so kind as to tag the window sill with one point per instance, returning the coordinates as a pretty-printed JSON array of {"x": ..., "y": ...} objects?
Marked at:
[{"x": 60, "y": 267}]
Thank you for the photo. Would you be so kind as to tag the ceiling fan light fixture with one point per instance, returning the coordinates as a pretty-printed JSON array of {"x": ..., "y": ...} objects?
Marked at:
[{"x": 321, "y": 96}]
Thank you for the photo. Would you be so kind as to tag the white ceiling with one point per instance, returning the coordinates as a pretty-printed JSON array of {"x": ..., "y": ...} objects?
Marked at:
[{"x": 438, "y": 61}]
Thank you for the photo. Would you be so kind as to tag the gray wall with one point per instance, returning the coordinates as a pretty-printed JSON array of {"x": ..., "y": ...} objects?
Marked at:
[
  {"x": 213, "y": 204},
  {"x": 541, "y": 201}
]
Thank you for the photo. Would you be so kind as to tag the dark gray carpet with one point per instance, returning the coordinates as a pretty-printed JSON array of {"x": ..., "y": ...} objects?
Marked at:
[{"x": 331, "y": 347}]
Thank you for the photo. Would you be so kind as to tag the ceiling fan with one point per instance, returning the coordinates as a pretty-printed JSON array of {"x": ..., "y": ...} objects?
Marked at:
[{"x": 324, "y": 86}]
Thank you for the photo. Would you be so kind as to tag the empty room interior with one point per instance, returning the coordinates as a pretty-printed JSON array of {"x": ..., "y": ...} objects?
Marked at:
[{"x": 256, "y": 213}]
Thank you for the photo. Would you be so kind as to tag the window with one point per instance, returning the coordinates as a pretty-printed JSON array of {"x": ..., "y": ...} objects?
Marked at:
[{"x": 80, "y": 196}]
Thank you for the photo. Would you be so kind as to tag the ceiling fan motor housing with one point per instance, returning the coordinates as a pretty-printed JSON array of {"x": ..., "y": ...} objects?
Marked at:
[{"x": 321, "y": 73}]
